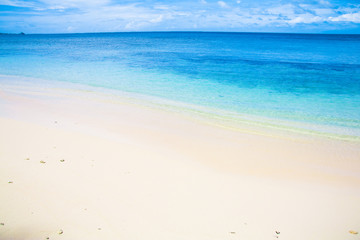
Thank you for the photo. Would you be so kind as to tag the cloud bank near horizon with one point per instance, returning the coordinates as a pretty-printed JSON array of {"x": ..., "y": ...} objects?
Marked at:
[{"x": 68, "y": 16}]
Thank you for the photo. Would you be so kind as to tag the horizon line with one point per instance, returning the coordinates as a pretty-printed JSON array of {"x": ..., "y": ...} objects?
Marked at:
[{"x": 179, "y": 31}]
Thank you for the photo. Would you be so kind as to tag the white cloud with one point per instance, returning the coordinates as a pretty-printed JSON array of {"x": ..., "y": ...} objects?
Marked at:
[
  {"x": 324, "y": 2},
  {"x": 222, "y": 4},
  {"x": 157, "y": 19},
  {"x": 323, "y": 11},
  {"x": 16, "y": 3},
  {"x": 56, "y": 7},
  {"x": 80, "y": 4},
  {"x": 107, "y": 15},
  {"x": 305, "y": 18},
  {"x": 287, "y": 9},
  {"x": 349, "y": 17},
  {"x": 110, "y": 18},
  {"x": 162, "y": 7}
]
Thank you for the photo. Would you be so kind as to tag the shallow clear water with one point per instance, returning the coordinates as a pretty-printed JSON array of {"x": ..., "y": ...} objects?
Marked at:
[{"x": 304, "y": 78}]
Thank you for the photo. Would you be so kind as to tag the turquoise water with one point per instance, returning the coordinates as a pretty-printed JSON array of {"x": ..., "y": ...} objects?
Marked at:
[{"x": 310, "y": 80}]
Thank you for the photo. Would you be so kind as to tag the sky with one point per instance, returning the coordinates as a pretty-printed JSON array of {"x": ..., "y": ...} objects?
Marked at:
[{"x": 78, "y": 16}]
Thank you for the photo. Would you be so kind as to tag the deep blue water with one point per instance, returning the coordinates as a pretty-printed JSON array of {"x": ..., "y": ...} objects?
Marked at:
[{"x": 305, "y": 78}]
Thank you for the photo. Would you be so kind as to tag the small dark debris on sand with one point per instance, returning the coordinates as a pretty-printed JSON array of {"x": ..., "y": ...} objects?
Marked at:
[
  {"x": 10, "y": 182},
  {"x": 62, "y": 160},
  {"x": 2, "y": 224},
  {"x": 99, "y": 228},
  {"x": 60, "y": 231},
  {"x": 232, "y": 232},
  {"x": 42, "y": 161},
  {"x": 353, "y": 232},
  {"x": 27, "y": 158}
]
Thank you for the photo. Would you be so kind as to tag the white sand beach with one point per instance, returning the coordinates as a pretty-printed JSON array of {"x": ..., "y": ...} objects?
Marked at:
[{"x": 89, "y": 165}]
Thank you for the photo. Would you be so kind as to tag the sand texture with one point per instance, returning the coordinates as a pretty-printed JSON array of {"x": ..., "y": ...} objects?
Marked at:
[{"x": 86, "y": 165}]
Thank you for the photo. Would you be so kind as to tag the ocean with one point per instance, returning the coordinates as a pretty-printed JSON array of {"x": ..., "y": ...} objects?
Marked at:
[{"x": 308, "y": 82}]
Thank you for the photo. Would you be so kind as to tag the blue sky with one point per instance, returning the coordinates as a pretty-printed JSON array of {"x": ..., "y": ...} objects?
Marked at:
[{"x": 67, "y": 16}]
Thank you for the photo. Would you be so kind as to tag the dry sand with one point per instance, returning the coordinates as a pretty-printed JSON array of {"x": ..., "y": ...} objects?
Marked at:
[{"x": 96, "y": 166}]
